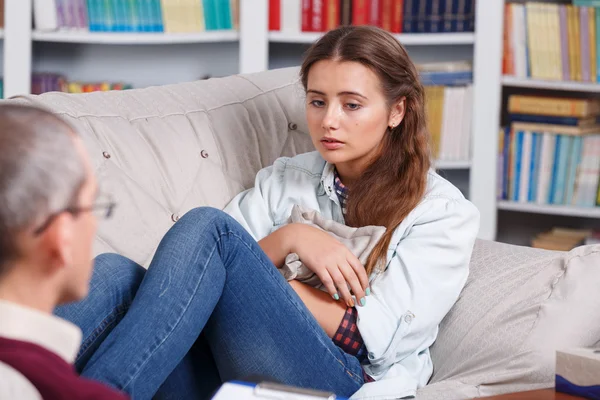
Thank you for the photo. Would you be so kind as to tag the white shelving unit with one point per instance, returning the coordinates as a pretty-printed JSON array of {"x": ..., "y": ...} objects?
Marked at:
[
  {"x": 87, "y": 55},
  {"x": 85, "y": 37},
  {"x": 551, "y": 85},
  {"x": 569, "y": 211}
]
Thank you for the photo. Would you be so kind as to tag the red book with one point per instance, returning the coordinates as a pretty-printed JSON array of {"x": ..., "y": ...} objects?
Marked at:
[
  {"x": 360, "y": 12},
  {"x": 386, "y": 14},
  {"x": 317, "y": 15},
  {"x": 306, "y": 15},
  {"x": 274, "y": 15},
  {"x": 397, "y": 15},
  {"x": 331, "y": 14},
  {"x": 375, "y": 12}
]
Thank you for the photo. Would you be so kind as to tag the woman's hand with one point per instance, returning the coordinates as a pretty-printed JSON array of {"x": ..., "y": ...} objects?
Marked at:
[{"x": 331, "y": 261}]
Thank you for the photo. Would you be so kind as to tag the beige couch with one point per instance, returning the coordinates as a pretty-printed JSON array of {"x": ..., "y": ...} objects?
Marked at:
[{"x": 164, "y": 150}]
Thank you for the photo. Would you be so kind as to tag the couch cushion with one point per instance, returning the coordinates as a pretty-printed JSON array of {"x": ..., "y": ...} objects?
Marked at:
[
  {"x": 164, "y": 150},
  {"x": 518, "y": 307}
]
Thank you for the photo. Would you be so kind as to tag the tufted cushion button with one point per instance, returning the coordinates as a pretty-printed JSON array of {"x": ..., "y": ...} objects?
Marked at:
[
  {"x": 174, "y": 217},
  {"x": 204, "y": 154},
  {"x": 292, "y": 126},
  {"x": 105, "y": 154}
]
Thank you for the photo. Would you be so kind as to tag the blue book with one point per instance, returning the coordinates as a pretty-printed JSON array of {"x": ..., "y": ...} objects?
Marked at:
[
  {"x": 574, "y": 161},
  {"x": 456, "y": 16},
  {"x": 517, "y": 159},
  {"x": 468, "y": 16},
  {"x": 558, "y": 196},
  {"x": 505, "y": 160},
  {"x": 447, "y": 16},
  {"x": 414, "y": 17},
  {"x": 435, "y": 16},
  {"x": 92, "y": 15},
  {"x": 554, "y": 170},
  {"x": 536, "y": 141},
  {"x": 210, "y": 21},
  {"x": 118, "y": 11},
  {"x": 422, "y": 16},
  {"x": 447, "y": 78},
  {"x": 159, "y": 25}
]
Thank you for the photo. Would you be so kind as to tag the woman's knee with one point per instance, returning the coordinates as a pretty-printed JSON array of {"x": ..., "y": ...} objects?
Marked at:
[{"x": 118, "y": 270}]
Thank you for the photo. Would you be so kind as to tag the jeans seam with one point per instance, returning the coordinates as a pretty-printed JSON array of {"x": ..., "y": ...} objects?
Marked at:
[
  {"x": 106, "y": 322},
  {"x": 352, "y": 375}
]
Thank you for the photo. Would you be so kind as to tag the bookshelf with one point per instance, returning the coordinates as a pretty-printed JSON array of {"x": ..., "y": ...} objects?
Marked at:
[
  {"x": 181, "y": 57},
  {"x": 572, "y": 73}
]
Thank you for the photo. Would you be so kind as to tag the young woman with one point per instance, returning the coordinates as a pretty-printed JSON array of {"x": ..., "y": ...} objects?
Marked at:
[{"x": 213, "y": 285}]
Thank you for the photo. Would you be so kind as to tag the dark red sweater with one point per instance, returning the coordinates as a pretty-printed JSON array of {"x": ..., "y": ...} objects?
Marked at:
[{"x": 52, "y": 376}]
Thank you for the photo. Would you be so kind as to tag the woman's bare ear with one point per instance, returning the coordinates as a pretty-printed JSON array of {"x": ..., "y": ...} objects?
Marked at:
[{"x": 397, "y": 113}]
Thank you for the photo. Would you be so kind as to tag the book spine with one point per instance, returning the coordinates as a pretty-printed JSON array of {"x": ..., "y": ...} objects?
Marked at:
[
  {"x": 316, "y": 23},
  {"x": 397, "y": 15},
  {"x": 376, "y": 13},
  {"x": 332, "y": 17},
  {"x": 555, "y": 164},
  {"x": 598, "y": 44},
  {"x": 386, "y": 14},
  {"x": 564, "y": 42},
  {"x": 584, "y": 43},
  {"x": 291, "y": 16},
  {"x": 360, "y": 12},
  {"x": 407, "y": 22},
  {"x": 274, "y": 15},
  {"x": 593, "y": 44},
  {"x": 307, "y": 15}
]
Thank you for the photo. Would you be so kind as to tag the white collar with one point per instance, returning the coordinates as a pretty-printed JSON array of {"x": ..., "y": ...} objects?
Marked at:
[{"x": 26, "y": 324}]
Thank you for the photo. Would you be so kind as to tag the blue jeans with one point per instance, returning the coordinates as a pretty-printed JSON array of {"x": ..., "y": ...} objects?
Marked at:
[{"x": 211, "y": 308}]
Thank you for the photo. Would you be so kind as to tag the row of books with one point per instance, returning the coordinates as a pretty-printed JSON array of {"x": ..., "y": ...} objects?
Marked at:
[
  {"x": 48, "y": 82},
  {"x": 397, "y": 16},
  {"x": 552, "y": 41},
  {"x": 449, "y": 108},
  {"x": 550, "y": 151},
  {"x": 565, "y": 239},
  {"x": 171, "y": 16}
]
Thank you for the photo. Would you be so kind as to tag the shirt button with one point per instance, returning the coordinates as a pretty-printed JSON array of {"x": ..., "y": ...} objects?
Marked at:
[
  {"x": 105, "y": 155},
  {"x": 204, "y": 154},
  {"x": 174, "y": 217},
  {"x": 408, "y": 319},
  {"x": 292, "y": 126},
  {"x": 371, "y": 356}
]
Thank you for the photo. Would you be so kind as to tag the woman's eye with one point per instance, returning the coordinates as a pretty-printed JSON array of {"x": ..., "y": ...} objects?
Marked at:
[
  {"x": 317, "y": 103},
  {"x": 353, "y": 106}
]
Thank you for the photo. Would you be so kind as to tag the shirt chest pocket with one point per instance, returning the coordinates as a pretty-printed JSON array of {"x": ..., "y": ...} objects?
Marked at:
[{"x": 386, "y": 359}]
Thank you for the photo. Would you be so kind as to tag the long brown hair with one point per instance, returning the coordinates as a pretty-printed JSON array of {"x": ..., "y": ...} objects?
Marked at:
[{"x": 394, "y": 183}]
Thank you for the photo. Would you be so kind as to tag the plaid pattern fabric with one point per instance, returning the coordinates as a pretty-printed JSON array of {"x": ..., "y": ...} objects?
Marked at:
[
  {"x": 348, "y": 338},
  {"x": 340, "y": 190}
]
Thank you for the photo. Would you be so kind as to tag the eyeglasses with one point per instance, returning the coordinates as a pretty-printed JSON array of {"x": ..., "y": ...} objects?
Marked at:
[{"x": 104, "y": 209}]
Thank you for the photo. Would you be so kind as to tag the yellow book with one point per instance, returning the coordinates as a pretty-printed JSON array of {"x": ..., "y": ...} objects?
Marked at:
[
  {"x": 572, "y": 43},
  {"x": 235, "y": 14},
  {"x": 593, "y": 45},
  {"x": 167, "y": 7},
  {"x": 197, "y": 15},
  {"x": 546, "y": 17},
  {"x": 577, "y": 33},
  {"x": 434, "y": 108},
  {"x": 532, "y": 39},
  {"x": 557, "y": 71},
  {"x": 556, "y": 129},
  {"x": 560, "y": 107}
]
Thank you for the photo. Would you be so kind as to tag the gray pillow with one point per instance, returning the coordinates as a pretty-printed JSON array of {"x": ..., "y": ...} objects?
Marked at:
[{"x": 360, "y": 241}]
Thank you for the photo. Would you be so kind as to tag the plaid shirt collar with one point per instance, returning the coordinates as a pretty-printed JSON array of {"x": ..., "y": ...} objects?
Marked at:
[{"x": 340, "y": 190}]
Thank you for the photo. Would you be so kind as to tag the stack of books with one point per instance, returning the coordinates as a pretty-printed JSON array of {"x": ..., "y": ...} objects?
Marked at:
[
  {"x": 553, "y": 41},
  {"x": 564, "y": 239},
  {"x": 46, "y": 82},
  {"x": 449, "y": 108},
  {"x": 550, "y": 152},
  {"x": 171, "y": 16},
  {"x": 397, "y": 16}
]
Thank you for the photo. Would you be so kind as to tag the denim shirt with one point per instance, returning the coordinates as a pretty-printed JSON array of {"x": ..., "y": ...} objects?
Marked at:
[{"x": 427, "y": 264}]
